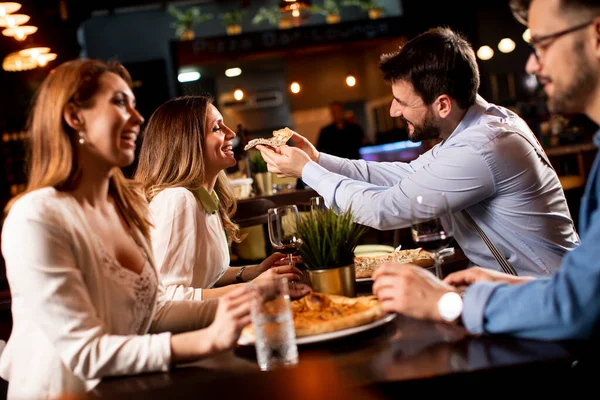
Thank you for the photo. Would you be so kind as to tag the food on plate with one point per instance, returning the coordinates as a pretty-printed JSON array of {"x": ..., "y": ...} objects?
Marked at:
[
  {"x": 280, "y": 137},
  {"x": 365, "y": 265},
  {"x": 318, "y": 313}
]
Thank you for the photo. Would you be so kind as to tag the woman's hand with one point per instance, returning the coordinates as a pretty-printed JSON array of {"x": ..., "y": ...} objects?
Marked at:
[
  {"x": 275, "y": 259},
  {"x": 477, "y": 274},
  {"x": 233, "y": 314},
  {"x": 283, "y": 271}
]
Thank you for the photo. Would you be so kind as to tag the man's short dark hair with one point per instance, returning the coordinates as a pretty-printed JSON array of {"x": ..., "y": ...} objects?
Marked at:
[
  {"x": 520, "y": 8},
  {"x": 439, "y": 61}
]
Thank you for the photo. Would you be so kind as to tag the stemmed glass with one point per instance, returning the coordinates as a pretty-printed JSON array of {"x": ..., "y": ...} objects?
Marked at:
[
  {"x": 283, "y": 225},
  {"x": 317, "y": 204},
  {"x": 431, "y": 225}
]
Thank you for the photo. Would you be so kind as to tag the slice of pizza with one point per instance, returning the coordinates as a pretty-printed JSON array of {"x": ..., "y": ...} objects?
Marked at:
[
  {"x": 365, "y": 265},
  {"x": 318, "y": 313},
  {"x": 279, "y": 138}
]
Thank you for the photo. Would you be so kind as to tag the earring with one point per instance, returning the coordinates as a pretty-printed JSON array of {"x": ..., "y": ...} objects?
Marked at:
[{"x": 81, "y": 138}]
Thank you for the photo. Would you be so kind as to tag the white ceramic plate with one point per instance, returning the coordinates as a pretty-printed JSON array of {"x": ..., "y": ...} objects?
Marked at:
[
  {"x": 372, "y": 249},
  {"x": 243, "y": 341}
]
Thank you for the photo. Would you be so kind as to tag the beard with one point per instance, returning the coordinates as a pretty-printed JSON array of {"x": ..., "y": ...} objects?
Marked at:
[
  {"x": 571, "y": 96},
  {"x": 428, "y": 129}
]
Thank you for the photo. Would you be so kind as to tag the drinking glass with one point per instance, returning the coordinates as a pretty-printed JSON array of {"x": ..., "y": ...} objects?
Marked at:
[
  {"x": 273, "y": 325},
  {"x": 317, "y": 204},
  {"x": 431, "y": 225},
  {"x": 283, "y": 225}
]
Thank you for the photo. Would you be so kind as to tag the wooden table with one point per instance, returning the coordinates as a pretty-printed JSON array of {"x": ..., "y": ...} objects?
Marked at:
[{"x": 378, "y": 363}]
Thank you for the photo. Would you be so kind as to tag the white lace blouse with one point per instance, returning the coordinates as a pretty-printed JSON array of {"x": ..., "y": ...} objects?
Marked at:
[{"x": 78, "y": 315}]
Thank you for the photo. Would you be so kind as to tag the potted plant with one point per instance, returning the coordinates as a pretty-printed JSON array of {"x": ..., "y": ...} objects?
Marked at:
[
  {"x": 329, "y": 9},
  {"x": 186, "y": 20},
  {"x": 273, "y": 16},
  {"x": 329, "y": 239},
  {"x": 233, "y": 21},
  {"x": 261, "y": 174},
  {"x": 372, "y": 7}
]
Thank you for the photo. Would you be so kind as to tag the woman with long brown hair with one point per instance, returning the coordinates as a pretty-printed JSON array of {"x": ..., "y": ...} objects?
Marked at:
[
  {"x": 84, "y": 288},
  {"x": 186, "y": 148}
]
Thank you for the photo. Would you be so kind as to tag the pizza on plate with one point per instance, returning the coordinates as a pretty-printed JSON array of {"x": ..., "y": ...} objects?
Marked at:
[
  {"x": 318, "y": 313},
  {"x": 365, "y": 265},
  {"x": 279, "y": 138}
]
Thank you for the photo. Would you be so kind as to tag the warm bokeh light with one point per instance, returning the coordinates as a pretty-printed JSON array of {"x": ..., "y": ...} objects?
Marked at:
[
  {"x": 527, "y": 35},
  {"x": 296, "y": 13},
  {"x": 238, "y": 94},
  {"x": 9, "y": 8},
  {"x": 485, "y": 53},
  {"x": 295, "y": 87},
  {"x": 350, "y": 80},
  {"x": 506, "y": 45},
  {"x": 20, "y": 32},
  {"x": 13, "y": 20},
  {"x": 232, "y": 72}
]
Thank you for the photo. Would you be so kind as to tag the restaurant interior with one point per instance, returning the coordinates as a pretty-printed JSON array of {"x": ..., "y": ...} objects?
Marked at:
[{"x": 268, "y": 67}]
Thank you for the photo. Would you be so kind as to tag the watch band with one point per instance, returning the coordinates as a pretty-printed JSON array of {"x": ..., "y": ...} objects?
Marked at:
[{"x": 238, "y": 276}]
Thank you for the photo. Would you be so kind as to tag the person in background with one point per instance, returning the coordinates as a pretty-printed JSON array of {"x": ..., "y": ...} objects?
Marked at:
[
  {"x": 343, "y": 137},
  {"x": 186, "y": 149},
  {"x": 85, "y": 293},
  {"x": 565, "y": 38},
  {"x": 488, "y": 163}
]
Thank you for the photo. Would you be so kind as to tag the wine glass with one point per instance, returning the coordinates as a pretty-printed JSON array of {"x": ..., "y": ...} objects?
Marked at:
[
  {"x": 431, "y": 225},
  {"x": 283, "y": 224},
  {"x": 317, "y": 204}
]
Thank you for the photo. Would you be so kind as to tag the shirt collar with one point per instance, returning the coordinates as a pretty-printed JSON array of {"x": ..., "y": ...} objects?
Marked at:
[
  {"x": 209, "y": 201},
  {"x": 472, "y": 114},
  {"x": 597, "y": 138}
]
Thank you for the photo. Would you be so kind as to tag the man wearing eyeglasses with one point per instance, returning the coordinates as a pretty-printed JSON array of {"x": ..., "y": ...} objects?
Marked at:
[{"x": 566, "y": 61}]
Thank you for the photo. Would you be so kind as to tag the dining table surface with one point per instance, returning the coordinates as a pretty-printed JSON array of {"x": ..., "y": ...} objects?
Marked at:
[{"x": 374, "y": 363}]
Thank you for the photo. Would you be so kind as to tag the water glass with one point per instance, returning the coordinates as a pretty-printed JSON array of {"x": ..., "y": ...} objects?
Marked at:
[{"x": 273, "y": 325}]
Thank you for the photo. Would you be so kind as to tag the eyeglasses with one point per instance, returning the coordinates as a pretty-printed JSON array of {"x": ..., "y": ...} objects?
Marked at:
[{"x": 548, "y": 39}]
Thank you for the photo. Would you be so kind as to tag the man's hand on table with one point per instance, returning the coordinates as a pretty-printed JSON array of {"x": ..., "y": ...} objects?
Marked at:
[
  {"x": 409, "y": 290},
  {"x": 477, "y": 274}
]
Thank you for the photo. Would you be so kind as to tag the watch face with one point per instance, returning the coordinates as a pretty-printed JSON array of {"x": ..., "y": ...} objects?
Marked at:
[{"x": 450, "y": 306}]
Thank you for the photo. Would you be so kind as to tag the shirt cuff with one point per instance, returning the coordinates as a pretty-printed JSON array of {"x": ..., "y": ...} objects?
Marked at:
[
  {"x": 312, "y": 173},
  {"x": 475, "y": 300}
]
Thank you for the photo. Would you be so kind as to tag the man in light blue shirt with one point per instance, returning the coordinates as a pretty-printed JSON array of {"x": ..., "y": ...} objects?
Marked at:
[{"x": 489, "y": 163}]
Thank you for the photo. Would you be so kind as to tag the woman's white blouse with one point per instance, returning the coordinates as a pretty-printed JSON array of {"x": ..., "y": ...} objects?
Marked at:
[
  {"x": 190, "y": 246},
  {"x": 78, "y": 317}
]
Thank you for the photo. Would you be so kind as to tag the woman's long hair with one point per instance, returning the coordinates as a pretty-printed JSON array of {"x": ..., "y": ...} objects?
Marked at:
[
  {"x": 172, "y": 155},
  {"x": 52, "y": 158}
]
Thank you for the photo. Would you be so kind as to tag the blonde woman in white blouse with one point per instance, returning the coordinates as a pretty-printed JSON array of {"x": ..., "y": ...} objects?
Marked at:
[
  {"x": 85, "y": 292},
  {"x": 185, "y": 150}
]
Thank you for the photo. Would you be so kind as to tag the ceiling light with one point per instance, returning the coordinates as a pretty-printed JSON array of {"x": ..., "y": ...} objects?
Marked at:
[
  {"x": 527, "y": 35},
  {"x": 17, "y": 62},
  {"x": 189, "y": 76},
  {"x": 12, "y": 20},
  {"x": 350, "y": 80},
  {"x": 485, "y": 53},
  {"x": 295, "y": 87},
  {"x": 238, "y": 94},
  {"x": 34, "y": 52},
  {"x": 232, "y": 72},
  {"x": 506, "y": 45},
  {"x": 20, "y": 32},
  {"x": 44, "y": 59},
  {"x": 9, "y": 8},
  {"x": 292, "y": 5}
]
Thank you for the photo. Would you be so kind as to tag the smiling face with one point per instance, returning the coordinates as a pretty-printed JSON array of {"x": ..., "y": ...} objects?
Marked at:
[
  {"x": 564, "y": 68},
  {"x": 218, "y": 149},
  {"x": 111, "y": 125},
  {"x": 420, "y": 119}
]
